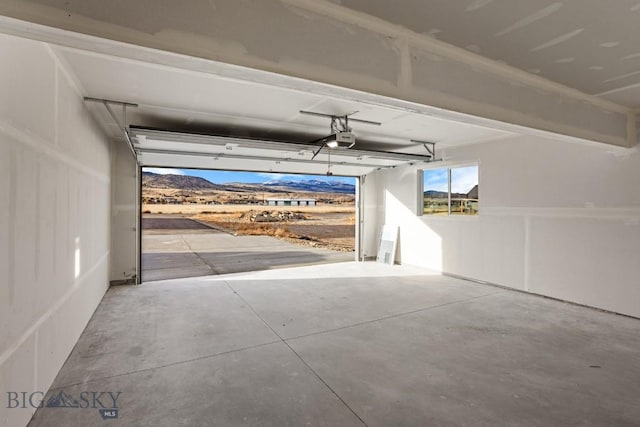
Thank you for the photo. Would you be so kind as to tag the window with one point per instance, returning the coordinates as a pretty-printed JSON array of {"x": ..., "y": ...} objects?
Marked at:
[
  {"x": 450, "y": 191},
  {"x": 436, "y": 191}
]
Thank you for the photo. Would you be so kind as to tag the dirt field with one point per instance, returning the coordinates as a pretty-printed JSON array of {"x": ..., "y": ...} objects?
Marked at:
[{"x": 325, "y": 226}]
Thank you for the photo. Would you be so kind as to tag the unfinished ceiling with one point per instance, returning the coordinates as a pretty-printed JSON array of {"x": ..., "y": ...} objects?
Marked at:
[
  {"x": 589, "y": 45},
  {"x": 378, "y": 53}
]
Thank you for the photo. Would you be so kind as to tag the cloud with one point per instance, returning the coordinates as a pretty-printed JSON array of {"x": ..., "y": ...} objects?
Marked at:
[
  {"x": 277, "y": 176},
  {"x": 435, "y": 180},
  {"x": 464, "y": 179},
  {"x": 164, "y": 171}
]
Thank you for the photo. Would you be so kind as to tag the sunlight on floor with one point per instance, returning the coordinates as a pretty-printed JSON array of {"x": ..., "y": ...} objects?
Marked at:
[{"x": 341, "y": 270}]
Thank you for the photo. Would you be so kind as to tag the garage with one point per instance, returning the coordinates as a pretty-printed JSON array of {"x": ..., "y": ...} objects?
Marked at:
[{"x": 494, "y": 151}]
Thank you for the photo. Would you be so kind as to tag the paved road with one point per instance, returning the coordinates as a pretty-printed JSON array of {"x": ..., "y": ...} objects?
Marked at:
[
  {"x": 180, "y": 247},
  {"x": 155, "y": 223}
]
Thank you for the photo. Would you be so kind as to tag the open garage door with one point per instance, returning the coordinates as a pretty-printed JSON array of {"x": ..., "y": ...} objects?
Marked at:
[
  {"x": 179, "y": 151},
  {"x": 208, "y": 222},
  {"x": 176, "y": 149}
]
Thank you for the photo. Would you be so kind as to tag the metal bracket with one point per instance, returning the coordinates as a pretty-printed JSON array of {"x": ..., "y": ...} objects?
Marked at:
[
  {"x": 343, "y": 119},
  {"x": 429, "y": 146},
  {"x": 317, "y": 152},
  {"x": 124, "y": 127},
  {"x": 338, "y": 124}
]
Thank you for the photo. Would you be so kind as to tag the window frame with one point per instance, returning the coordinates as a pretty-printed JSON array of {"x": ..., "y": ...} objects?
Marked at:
[{"x": 448, "y": 168}]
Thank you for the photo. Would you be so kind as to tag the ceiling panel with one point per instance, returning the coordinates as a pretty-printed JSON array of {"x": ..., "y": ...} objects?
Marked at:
[
  {"x": 188, "y": 101},
  {"x": 590, "y": 45},
  {"x": 153, "y": 85}
]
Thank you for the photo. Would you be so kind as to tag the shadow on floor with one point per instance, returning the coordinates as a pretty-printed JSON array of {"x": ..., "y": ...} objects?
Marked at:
[
  {"x": 172, "y": 224},
  {"x": 173, "y": 265}
]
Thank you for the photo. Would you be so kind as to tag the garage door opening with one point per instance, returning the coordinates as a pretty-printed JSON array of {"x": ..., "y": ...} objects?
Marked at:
[{"x": 198, "y": 222}]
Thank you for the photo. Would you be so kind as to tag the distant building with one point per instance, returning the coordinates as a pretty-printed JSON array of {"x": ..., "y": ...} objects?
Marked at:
[
  {"x": 291, "y": 202},
  {"x": 473, "y": 193}
]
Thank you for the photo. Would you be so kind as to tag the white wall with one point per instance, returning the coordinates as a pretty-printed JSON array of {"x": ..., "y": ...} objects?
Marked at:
[
  {"x": 556, "y": 218},
  {"x": 123, "y": 214},
  {"x": 54, "y": 204},
  {"x": 372, "y": 211}
]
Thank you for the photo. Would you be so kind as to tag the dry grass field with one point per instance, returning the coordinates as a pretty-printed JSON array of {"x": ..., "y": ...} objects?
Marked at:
[
  {"x": 192, "y": 209},
  {"x": 327, "y": 226}
]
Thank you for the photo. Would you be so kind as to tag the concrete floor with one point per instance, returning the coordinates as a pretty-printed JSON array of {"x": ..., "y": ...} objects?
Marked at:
[
  {"x": 179, "y": 247},
  {"x": 349, "y": 344}
]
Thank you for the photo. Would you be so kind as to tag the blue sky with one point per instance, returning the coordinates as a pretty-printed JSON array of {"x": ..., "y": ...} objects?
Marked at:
[
  {"x": 435, "y": 179},
  {"x": 223, "y": 177},
  {"x": 462, "y": 179}
]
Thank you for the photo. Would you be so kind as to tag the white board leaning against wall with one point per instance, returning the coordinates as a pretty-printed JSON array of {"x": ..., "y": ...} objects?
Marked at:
[{"x": 388, "y": 245}]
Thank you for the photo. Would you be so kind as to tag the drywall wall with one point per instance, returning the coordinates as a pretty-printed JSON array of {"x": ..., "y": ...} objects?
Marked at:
[
  {"x": 325, "y": 42},
  {"x": 54, "y": 219},
  {"x": 556, "y": 218},
  {"x": 123, "y": 214},
  {"x": 372, "y": 210}
]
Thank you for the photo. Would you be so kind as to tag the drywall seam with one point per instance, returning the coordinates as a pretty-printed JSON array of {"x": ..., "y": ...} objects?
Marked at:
[
  {"x": 527, "y": 253},
  {"x": 557, "y": 40},
  {"x": 35, "y": 357},
  {"x": 41, "y": 147},
  {"x": 36, "y": 227},
  {"x": 586, "y": 212},
  {"x": 405, "y": 77},
  {"x": 378, "y": 25},
  {"x": 56, "y": 108},
  {"x": 632, "y": 136},
  {"x": 62, "y": 64},
  {"x": 13, "y": 206},
  {"x": 530, "y": 19},
  {"x": 618, "y": 89},
  {"x": 5, "y": 355}
]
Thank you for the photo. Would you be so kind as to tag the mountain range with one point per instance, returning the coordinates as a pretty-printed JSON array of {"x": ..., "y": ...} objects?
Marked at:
[
  {"x": 183, "y": 182},
  {"x": 194, "y": 183},
  {"x": 313, "y": 185},
  {"x": 434, "y": 194}
]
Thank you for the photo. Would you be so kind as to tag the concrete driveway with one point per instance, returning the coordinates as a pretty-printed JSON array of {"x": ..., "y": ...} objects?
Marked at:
[{"x": 177, "y": 247}]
